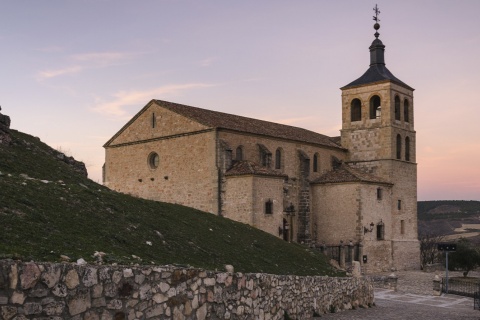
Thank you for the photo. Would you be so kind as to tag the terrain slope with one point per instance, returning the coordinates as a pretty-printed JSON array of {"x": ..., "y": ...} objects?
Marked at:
[{"x": 49, "y": 209}]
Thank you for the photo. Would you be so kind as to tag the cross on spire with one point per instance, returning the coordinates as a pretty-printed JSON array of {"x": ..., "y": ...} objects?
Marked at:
[{"x": 377, "y": 12}]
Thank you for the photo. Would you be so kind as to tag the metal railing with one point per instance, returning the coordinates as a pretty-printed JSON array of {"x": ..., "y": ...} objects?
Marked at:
[{"x": 461, "y": 287}]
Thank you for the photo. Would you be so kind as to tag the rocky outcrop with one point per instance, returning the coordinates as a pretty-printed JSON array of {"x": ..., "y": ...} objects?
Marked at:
[
  {"x": 76, "y": 165},
  {"x": 5, "y": 137},
  {"x": 69, "y": 291}
]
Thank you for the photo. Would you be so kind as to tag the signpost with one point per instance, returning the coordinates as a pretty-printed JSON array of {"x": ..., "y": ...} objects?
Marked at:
[{"x": 447, "y": 247}]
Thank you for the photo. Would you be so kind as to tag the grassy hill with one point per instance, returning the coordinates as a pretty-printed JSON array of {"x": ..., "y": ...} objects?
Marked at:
[{"x": 47, "y": 209}]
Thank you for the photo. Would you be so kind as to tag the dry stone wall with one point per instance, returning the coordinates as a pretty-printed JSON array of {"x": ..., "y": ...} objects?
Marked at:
[{"x": 69, "y": 291}]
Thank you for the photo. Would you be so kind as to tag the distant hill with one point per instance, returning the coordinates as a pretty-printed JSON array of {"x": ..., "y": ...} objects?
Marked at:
[
  {"x": 452, "y": 219},
  {"x": 49, "y": 209}
]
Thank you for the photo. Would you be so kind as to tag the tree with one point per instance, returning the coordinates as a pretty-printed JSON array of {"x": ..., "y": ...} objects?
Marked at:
[
  {"x": 466, "y": 258},
  {"x": 428, "y": 248}
]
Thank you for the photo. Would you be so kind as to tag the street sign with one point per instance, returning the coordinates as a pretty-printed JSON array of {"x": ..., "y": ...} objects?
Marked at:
[{"x": 447, "y": 246}]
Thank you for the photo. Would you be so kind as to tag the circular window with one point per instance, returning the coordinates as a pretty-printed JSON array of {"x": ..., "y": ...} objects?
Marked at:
[{"x": 153, "y": 160}]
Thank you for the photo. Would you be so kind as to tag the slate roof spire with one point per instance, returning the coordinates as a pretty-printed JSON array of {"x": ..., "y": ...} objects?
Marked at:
[{"x": 377, "y": 72}]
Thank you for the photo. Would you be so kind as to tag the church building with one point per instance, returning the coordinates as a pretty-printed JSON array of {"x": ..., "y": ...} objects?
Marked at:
[{"x": 358, "y": 190}]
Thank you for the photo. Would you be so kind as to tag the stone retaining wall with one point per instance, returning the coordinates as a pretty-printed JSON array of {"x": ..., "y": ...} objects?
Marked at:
[
  {"x": 384, "y": 282},
  {"x": 70, "y": 291}
]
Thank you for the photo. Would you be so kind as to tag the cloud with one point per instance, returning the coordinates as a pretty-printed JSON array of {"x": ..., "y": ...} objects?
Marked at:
[
  {"x": 102, "y": 58},
  {"x": 59, "y": 72},
  {"x": 116, "y": 106},
  {"x": 80, "y": 62}
]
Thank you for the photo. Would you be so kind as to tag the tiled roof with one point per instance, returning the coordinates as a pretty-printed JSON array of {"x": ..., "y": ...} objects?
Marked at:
[
  {"x": 376, "y": 73},
  {"x": 346, "y": 173},
  {"x": 337, "y": 140},
  {"x": 246, "y": 167},
  {"x": 243, "y": 124}
]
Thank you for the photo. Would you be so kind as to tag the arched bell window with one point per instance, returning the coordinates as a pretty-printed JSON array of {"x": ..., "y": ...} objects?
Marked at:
[
  {"x": 406, "y": 111},
  {"x": 356, "y": 110},
  {"x": 407, "y": 149},
  {"x": 375, "y": 109},
  {"x": 397, "y": 108}
]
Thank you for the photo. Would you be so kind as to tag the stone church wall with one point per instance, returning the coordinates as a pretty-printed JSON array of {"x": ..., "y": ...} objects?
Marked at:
[
  {"x": 238, "y": 203},
  {"x": 186, "y": 173},
  {"x": 67, "y": 291},
  {"x": 245, "y": 199},
  {"x": 290, "y": 165},
  {"x": 265, "y": 189},
  {"x": 167, "y": 123},
  {"x": 406, "y": 247},
  {"x": 377, "y": 211},
  {"x": 336, "y": 219}
]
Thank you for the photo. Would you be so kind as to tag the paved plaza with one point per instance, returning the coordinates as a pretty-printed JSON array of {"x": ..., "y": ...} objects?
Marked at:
[
  {"x": 390, "y": 305},
  {"x": 413, "y": 300}
]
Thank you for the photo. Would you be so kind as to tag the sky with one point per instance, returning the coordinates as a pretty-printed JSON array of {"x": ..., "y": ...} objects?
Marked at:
[{"x": 74, "y": 72}]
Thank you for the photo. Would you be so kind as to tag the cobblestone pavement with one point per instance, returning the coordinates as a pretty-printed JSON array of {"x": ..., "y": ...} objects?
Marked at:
[{"x": 413, "y": 300}]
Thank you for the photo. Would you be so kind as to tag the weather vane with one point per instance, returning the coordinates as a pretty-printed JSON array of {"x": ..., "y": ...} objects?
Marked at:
[
  {"x": 377, "y": 12},
  {"x": 376, "y": 26}
]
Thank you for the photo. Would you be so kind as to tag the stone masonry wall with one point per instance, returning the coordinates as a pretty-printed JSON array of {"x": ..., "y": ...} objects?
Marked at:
[{"x": 69, "y": 291}]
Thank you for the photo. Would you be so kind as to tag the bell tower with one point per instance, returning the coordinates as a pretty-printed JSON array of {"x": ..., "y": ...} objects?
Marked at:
[{"x": 378, "y": 130}]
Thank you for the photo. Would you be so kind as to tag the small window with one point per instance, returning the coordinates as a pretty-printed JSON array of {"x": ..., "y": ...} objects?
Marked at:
[
  {"x": 397, "y": 108},
  {"x": 399, "y": 147},
  {"x": 154, "y": 120},
  {"x": 406, "y": 111},
  {"x": 315, "y": 162},
  {"x": 278, "y": 159},
  {"x": 375, "y": 109},
  {"x": 407, "y": 149},
  {"x": 380, "y": 231},
  {"x": 239, "y": 153},
  {"x": 356, "y": 110},
  {"x": 153, "y": 160},
  {"x": 269, "y": 207},
  {"x": 379, "y": 193},
  {"x": 402, "y": 226},
  {"x": 399, "y": 204}
]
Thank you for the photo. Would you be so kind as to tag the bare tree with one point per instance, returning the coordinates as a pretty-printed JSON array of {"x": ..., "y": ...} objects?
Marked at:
[{"x": 428, "y": 248}]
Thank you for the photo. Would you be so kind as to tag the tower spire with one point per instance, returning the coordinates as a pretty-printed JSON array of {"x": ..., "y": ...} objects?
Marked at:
[
  {"x": 377, "y": 49},
  {"x": 377, "y": 70}
]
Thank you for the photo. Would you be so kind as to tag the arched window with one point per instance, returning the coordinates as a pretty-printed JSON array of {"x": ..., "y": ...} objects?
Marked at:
[
  {"x": 375, "y": 109},
  {"x": 407, "y": 149},
  {"x": 406, "y": 111},
  {"x": 278, "y": 159},
  {"x": 315, "y": 162},
  {"x": 239, "y": 153},
  {"x": 356, "y": 110},
  {"x": 399, "y": 147},
  {"x": 397, "y": 108}
]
